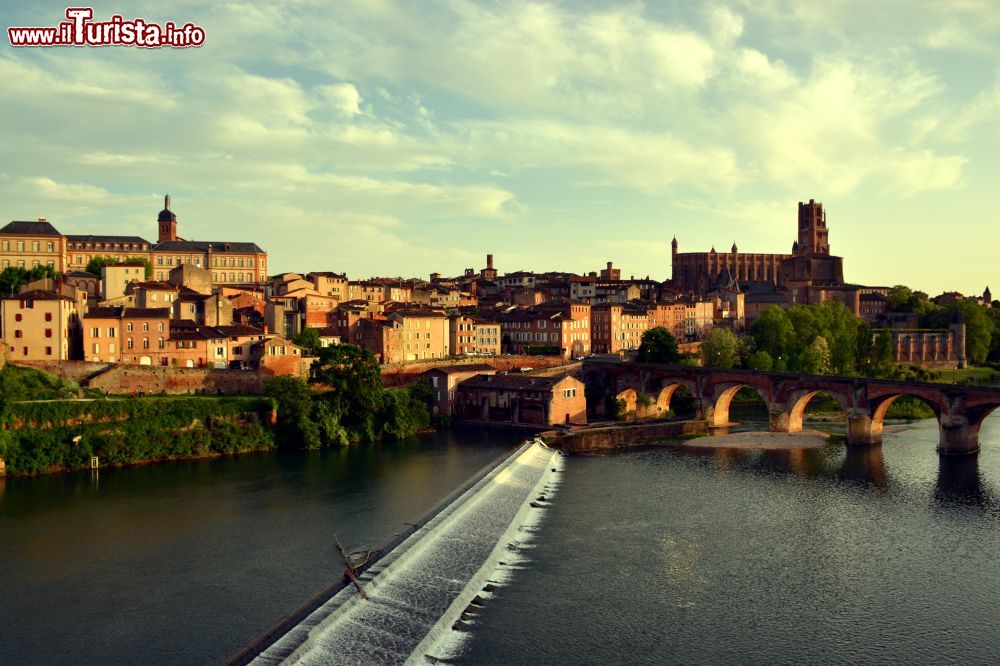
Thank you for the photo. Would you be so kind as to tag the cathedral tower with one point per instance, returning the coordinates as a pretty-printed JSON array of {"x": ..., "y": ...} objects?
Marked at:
[{"x": 813, "y": 237}]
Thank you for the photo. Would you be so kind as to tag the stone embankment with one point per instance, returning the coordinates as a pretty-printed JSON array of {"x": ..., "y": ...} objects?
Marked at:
[{"x": 623, "y": 435}]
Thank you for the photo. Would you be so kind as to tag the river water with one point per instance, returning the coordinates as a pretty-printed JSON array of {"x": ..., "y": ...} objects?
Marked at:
[
  {"x": 831, "y": 555},
  {"x": 186, "y": 562},
  {"x": 654, "y": 555}
]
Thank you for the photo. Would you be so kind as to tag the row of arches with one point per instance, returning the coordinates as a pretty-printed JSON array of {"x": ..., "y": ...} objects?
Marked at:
[{"x": 864, "y": 425}]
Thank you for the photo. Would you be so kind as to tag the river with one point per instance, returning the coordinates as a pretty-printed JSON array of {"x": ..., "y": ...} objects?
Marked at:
[
  {"x": 652, "y": 555},
  {"x": 830, "y": 555},
  {"x": 186, "y": 562}
]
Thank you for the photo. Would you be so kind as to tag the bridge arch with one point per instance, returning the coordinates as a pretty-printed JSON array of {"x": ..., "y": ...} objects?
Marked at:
[
  {"x": 799, "y": 401},
  {"x": 884, "y": 403},
  {"x": 631, "y": 398},
  {"x": 723, "y": 398},
  {"x": 668, "y": 387}
]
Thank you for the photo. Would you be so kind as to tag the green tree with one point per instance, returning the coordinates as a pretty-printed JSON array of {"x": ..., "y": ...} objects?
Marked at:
[
  {"x": 12, "y": 279},
  {"x": 774, "y": 333},
  {"x": 903, "y": 299},
  {"x": 761, "y": 361},
  {"x": 816, "y": 357},
  {"x": 97, "y": 263},
  {"x": 353, "y": 377},
  {"x": 308, "y": 339},
  {"x": 658, "y": 346},
  {"x": 719, "y": 350},
  {"x": 294, "y": 401}
]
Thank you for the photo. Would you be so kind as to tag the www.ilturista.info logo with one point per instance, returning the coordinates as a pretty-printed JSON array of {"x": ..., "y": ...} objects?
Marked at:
[{"x": 79, "y": 30}]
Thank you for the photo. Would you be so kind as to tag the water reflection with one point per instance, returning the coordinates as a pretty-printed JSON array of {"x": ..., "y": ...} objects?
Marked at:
[
  {"x": 864, "y": 464},
  {"x": 960, "y": 483}
]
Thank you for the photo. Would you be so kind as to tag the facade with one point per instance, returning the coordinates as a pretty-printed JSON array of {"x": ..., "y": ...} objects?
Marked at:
[
  {"x": 616, "y": 328},
  {"x": 40, "y": 325},
  {"x": 31, "y": 244},
  {"x": 445, "y": 380},
  {"x": 521, "y": 399},
  {"x": 472, "y": 335}
]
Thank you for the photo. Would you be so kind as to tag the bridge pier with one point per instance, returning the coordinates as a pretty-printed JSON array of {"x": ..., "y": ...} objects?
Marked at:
[
  {"x": 957, "y": 436},
  {"x": 779, "y": 420},
  {"x": 863, "y": 429}
]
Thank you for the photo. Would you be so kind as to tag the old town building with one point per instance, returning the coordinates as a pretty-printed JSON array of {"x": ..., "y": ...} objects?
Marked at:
[
  {"x": 40, "y": 325},
  {"x": 521, "y": 399}
]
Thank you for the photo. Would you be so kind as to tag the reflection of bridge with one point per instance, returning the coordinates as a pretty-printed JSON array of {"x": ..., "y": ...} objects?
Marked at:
[{"x": 648, "y": 387}]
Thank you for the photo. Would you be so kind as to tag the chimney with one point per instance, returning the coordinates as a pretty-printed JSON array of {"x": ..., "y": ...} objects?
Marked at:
[
  {"x": 42, "y": 219},
  {"x": 489, "y": 261}
]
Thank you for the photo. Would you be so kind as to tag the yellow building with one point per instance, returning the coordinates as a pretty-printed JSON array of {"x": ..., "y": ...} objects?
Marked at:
[
  {"x": 31, "y": 244},
  {"x": 39, "y": 325}
]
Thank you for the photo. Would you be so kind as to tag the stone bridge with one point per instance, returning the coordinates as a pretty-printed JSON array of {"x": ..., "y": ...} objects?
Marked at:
[{"x": 648, "y": 387}]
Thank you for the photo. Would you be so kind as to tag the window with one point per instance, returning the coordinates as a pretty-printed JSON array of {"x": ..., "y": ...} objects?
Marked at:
[
  {"x": 111, "y": 332},
  {"x": 160, "y": 343},
  {"x": 18, "y": 333},
  {"x": 17, "y": 317},
  {"x": 6, "y": 246},
  {"x": 48, "y": 332},
  {"x": 35, "y": 246},
  {"x": 128, "y": 327},
  {"x": 48, "y": 316},
  {"x": 48, "y": 351},
  {"x": 20, "y": 246},
  {"x": 97, "y": 348},
  {"x": 128, "y": 343},
  {"x": 145, "y": 326},
  {"x": 237, "y": 351},
  {"x": 145, "y": 343},
  {"x": 159, "y": 327},
  {"x": 51, "y": 247},
  {"x": 95, "y": 332}
]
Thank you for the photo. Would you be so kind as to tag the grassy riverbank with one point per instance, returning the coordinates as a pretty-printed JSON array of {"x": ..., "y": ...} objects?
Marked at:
[{"x": 42, "y": 437}]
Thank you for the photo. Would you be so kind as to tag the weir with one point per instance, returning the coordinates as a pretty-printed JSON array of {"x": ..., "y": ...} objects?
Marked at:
[{"x": 420, "y": 589}]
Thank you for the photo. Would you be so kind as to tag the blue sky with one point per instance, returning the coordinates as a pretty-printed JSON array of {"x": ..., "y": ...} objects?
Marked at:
[{"x": 401, "y": 138}]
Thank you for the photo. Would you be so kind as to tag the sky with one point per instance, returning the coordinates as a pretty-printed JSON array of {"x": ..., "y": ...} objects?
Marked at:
[{"x": 403, "y": 138}]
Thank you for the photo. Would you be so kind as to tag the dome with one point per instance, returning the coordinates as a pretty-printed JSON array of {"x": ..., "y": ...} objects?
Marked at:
[{"x": 166, "y": 215}]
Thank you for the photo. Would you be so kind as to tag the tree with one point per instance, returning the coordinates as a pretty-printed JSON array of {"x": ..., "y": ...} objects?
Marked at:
[
  {"x": 719, "y": 350},
  {"x": 903, "y": 299},
  {"x": 658, "y": 346},
  {"x": 352, "y": 374},
  {"x": 816, "y": 357},
  {"x": 294, "y": 402},
  {"x": 308, "y": 339},
  {"x": 774, "y": 333},
  {"x": 761, "y": 361},
  {"x": 97, "y": 263},
  {"x": 12, "y": 279}
]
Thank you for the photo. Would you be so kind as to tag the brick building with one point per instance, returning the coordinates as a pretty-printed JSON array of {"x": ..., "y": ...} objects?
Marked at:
[{"x": 521, "y": 399}]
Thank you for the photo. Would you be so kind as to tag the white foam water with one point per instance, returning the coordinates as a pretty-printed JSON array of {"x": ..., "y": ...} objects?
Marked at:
[{"x": 419, "y": 591}]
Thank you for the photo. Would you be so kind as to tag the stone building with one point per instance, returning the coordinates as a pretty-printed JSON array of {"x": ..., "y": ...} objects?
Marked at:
[
  {"x": 521, "y": 399},
  {"x": 445, "y": 380}
]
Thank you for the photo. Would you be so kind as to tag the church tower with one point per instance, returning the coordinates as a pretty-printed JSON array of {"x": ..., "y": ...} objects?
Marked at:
[
  {"x": 167, "y": 222},
  {"x": 813, "y": 237}
]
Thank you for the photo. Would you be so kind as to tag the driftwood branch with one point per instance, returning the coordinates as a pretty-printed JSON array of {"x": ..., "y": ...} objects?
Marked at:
[{"x": 351, "y": 572}]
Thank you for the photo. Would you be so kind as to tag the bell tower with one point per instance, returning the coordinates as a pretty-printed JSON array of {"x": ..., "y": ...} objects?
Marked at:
[
  {"x": 813, "y": 238},
  {"x": 167, "y": 222}
]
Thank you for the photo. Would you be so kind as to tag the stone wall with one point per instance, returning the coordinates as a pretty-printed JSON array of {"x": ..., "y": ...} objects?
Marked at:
[
  {"x": 178, "y": 381},
  {"x": 73, "y": 371},
  {"x": 614, "y": 437}
]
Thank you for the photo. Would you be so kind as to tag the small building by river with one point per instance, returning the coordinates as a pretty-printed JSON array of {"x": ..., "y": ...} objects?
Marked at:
[{"x": 521, "y": 399}]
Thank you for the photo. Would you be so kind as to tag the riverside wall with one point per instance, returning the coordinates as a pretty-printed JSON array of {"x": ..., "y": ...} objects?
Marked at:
[
  {"x": 623, "y": 436},
  {"x": 404, "y": 374}
]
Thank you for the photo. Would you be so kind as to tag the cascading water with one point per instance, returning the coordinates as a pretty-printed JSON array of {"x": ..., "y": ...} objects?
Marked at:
[{"x": 422, "y": 593}]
